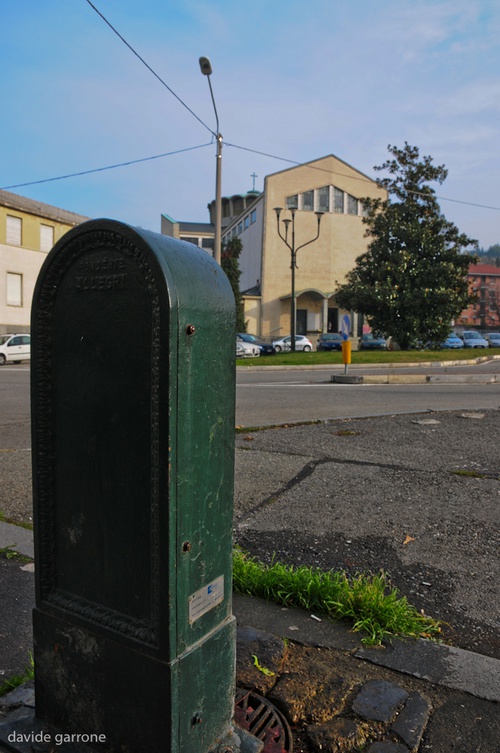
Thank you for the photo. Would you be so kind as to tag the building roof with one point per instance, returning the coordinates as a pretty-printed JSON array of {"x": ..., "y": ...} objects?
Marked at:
[
  {"x": 484, "y": 269},
  {"x": 312, "y": 162},
  {"x": 191, "y": 227},
  {"x": 251, "y": 193},
  {"x": 39, "y": 209},
  {"x": 255, "y": 291},
  {"x": 196, "y": 227}
]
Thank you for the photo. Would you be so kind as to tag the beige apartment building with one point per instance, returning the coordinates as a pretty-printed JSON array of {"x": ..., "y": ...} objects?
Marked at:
[
  {"x": 28, "y": 230},
  {"x": 326, "y": 185}
]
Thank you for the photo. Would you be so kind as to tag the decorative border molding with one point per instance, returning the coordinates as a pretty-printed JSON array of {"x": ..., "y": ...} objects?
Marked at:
[{"x": 145, "y": 631}]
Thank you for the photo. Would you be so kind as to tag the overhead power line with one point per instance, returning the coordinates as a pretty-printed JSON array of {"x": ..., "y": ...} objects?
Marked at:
[
  {"x": 151, "y": 69},
  {"x": 235, "y": 146},
  {"x": 102, "y": 169},
  {"x": 353, "y": 177}
]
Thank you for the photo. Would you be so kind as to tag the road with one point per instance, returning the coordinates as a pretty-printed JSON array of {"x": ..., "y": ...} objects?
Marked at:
[
  {"x": 321, "y": 496},
  {"x": 268, "y": 397},
  {"x": 265, "y": 398}
]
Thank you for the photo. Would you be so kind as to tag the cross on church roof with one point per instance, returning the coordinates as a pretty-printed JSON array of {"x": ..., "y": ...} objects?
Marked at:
[{"x": 253, "y": 175}]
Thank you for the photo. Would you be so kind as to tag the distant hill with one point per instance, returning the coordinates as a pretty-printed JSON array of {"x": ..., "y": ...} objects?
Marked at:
[{"x": 490, "y": 255}]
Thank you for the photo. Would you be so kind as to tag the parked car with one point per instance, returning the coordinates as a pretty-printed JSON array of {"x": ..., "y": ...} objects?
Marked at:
[
  {"x": 266, "y": 349},
  {"x": 473, "y": 339},
  {"x": 285, "y": 344},
  {"x": 246, "y": 350},
  {"x": 15, "y": 348},
  {"x": 493, "y": 339},
  {"x": 372, "y": 342},
  {"x": 452, "y": 341},
  {"x": 330, "y": 341}
]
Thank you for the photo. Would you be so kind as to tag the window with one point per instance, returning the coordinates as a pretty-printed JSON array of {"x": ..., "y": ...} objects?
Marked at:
[
  {"x": 14, "y": 289},
  {"x": 324, "y": 199},
  {"x": 46, "y": 237},
  {"x": 253, "y": 216},
  {"x": 207, "y": 243},
  {"x": 246, "y": 221},
  {"x": 352, "y": 205},
  {"x": 338, "y": 200},
  {"x": 313, "y": 321},
  {"x": 292, "y": 202},
  {"x": 301, "y": 322},
  {"x": 14, "y": 230},
  {"x": 308, "y": 201},
  {"x": 189, "y": 239},
  {"x": 240, "y": 228}
]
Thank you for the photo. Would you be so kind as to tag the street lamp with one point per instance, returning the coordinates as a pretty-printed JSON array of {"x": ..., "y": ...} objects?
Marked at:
[
  {"x": 206, "y": 69},
  {"x": 293, "y": 264}
]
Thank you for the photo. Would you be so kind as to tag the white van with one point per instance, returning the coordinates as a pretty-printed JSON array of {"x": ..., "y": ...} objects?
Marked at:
[{"x": 15, "y": 348}]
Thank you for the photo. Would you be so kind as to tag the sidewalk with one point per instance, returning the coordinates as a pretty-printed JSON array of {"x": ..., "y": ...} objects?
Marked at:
[
  {"x": 416, "y": 495},
  {"x": 340, "y": 696},
  {"x": 336, "y": 694}
]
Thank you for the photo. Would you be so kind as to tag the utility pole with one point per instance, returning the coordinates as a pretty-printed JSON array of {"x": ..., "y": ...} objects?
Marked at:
[{"x": 206, "y": 69}]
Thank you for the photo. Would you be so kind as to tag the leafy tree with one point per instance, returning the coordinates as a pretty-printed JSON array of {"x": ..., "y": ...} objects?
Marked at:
[
  {"x": 230, "y": 254},
  {"x": 411, "y": 282}
]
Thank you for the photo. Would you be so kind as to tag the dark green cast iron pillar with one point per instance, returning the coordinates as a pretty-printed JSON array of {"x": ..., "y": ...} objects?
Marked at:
[{"x": 133, "y": 444}]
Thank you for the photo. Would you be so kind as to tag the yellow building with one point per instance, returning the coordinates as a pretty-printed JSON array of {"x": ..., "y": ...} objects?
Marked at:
[
  {"x": 28, "y": 230},
  {"x": 326, "y": 185}
]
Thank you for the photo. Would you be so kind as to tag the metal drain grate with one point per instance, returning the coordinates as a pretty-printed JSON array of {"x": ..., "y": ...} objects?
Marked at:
[{"x": 263, "y": 720}]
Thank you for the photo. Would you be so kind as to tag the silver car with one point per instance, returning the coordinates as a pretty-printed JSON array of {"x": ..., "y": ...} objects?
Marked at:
[
  {"x": 246, "y": 350},
  {"x": 473, "y": 339},
  {"x": 285, "y": 344},
  {"x": 493, "y": 339}
]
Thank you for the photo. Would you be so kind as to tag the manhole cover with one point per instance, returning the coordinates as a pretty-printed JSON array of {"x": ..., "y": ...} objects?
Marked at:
[{"x": 263, "y": 720}]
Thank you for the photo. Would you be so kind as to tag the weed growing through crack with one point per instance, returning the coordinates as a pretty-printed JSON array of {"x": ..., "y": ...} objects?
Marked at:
[
  {"x": 373, "y": 606},
  {"x": 469, "y": 474},
  {"x": 13, "y": 682}
]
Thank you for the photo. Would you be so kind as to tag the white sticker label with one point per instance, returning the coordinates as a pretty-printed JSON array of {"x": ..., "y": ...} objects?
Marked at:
[{"x": 206, "y": 599}]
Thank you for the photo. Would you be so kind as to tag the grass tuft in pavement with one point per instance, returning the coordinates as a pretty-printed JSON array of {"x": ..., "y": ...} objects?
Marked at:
[
  {"x": 469, "y": 474},
  {"x": 13, "y": 682},
  {"x": 368, "y": 601}
]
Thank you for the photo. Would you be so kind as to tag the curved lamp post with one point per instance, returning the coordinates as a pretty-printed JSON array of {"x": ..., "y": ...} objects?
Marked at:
[
  {"x": 293, "y": 264},
  {"x": 206, "y": 69}
]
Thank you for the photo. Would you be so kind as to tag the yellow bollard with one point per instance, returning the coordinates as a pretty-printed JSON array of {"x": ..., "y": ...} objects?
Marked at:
[{"x": 346, "y": 352}]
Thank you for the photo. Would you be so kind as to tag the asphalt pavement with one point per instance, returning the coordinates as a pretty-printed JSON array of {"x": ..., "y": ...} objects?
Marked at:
[{"x": 415, "y": 495}]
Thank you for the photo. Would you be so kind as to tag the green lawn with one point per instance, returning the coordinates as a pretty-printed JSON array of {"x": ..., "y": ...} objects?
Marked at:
[{"x": 367, "y": 357}]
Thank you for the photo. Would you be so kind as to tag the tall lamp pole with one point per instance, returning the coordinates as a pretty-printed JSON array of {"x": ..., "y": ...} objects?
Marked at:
[
  {"x": 293, "y": 264},
  {"x": 206, "y": 69}
]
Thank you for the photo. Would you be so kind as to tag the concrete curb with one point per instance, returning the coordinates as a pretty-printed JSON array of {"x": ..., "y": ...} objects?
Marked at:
[
  {"x": 17, "y": 539},
  {"x": 415, "y": 379},
  {"x": 449, "y": 667},
  {"x": 443, "y": 665},
  {"x": 406, "y": 365}
]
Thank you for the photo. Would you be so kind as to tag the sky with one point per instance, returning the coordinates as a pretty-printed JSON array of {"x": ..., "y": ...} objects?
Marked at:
[{"x": 292, "y": 82}]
